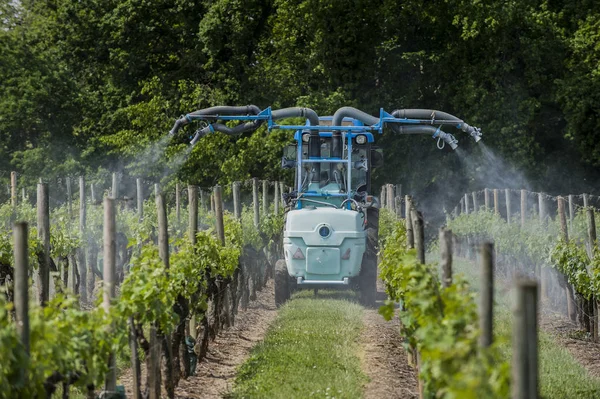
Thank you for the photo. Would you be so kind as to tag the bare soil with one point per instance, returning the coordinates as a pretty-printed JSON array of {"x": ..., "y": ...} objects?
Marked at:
[
  {"x": 216, "y": 373},
  {"x": 384, "y": 359}
]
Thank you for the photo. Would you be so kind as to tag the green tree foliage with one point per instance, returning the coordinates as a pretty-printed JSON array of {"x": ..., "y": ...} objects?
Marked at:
[{"x": 97, "y": 83}]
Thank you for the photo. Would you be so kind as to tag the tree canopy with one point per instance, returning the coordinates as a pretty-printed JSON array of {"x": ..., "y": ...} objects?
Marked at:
[{"x": 95, "y": 85}]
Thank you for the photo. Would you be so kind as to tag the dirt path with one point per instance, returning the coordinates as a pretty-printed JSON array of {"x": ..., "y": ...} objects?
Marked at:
[
  {"x": 215, "y": 374},
  {"x": 567, "y": 335},
  {"x": 384, "y": 359}
]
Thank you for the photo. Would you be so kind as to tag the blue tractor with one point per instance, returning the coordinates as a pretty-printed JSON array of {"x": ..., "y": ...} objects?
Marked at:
[{"x": 332, "y": 219}]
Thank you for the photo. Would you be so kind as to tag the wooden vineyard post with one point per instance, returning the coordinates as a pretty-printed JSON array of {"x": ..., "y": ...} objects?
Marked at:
[
  {"x": 243, "y": 288},
  {"x": 140, "y": 198},
  {"x": 571, "y": 211},
  {"x": 508, "y": 207},
  {"x": 282, "y": 190},
  {"x": 69, "y": 198},
  {"x": 542, "y": 209},
  {"x": 202, "y": 200},
  {"x": 571, "y": 308},
  {"x": 70, "y": 269},
  {"x": 543, "y": 270},
  {"x": 163, "y": 231},
  {"x": 563, "y": 219},
  {"x": 238, "y": 287},
  {"x": 212, "y": 203},
  {"x": 115, "y": 186},
  {"x": 219, "y": 214},
  {"x": 523, "y": 207},
  {"x": 383, "y": 196},
  {"x": 410, "y": 237},
  {"x": 276, "y": 200},
  {"x": 486, "y": 305},
  {"x": 154, "y": 364},
  {"x": 591, "y": 222},
  {"x": 446, "y": 256},
  {"x": 486, "y": 198},
  {"x": 255, "y": 202},
  {"x": 92, "y": 193},
  {"x": 223, "y": 287},
  {"x": 220, "y": 230},
  {"x": 385, "y": 191},
  {"x": 399, "y": 201},
  {"x": 193, "y": 213},
  {"x": 13, "y": 189},
  {"x": 21, "y": 274},
  {"x": 525, "y": 340},
  {"x": 462, "y": 205},
  {"x": 419, "y": 233},
  {"x": 135, "y": 362},
  {"x": 83, "y": 233},
  {"x": 475, "y": 206},
  {"x": 192, "y": 231},
  {"x": 585, "y": 200},
  {"x": 109, "y": 280},
  {"x": 496, "y": 203},
  {"x": 43, "y": 225},
  {"x": 390, "y": 197},
  {"x": 93, "y": 252},
  {"x": 265, "y": 197},
  {"x": 466, "y": 204},
  {"x": 23, "y": 195},
  {"x": 136, "y": 373},
  {"x": 591, "y": 225},
  {"x": 237, "y": 206},
  {"x": 419, "y": 237},
  {"x": 163, "y": 253},
  {"x": 178, "y": 203}
]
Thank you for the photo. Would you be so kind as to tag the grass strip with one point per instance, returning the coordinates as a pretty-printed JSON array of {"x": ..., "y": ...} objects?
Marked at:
[
  {"x": 311, "y": 351},
  {"x": 560, "y": 374}
]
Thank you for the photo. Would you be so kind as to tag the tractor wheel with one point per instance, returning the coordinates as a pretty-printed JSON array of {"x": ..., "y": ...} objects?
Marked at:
[
  {"x": 282, "y": 283},
  {"x": 368, "y": 272}
]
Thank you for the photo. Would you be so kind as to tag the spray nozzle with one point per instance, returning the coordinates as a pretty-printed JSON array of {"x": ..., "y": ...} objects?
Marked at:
[
  {"x": 201, "y": 133},
  {"x": 445, "y": 138},
  {"x": 472, "y": 131},
  {"x": 183, "y": 120}
]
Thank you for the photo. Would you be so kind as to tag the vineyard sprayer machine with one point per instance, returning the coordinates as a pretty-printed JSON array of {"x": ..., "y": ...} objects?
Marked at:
[{"x": 331, "y": 228}]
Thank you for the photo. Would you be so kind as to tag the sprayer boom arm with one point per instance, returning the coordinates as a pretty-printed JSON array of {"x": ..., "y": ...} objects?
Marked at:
[{"x": 404, "y": 121}]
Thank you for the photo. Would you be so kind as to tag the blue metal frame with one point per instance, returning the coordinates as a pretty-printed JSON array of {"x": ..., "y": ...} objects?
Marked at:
[
  {"x": 348, "y": 134},
  {"x": 347, "y": 138}
]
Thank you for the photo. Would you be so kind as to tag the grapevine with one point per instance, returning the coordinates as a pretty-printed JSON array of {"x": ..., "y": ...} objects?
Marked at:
[{"x": 441, "y": 324}]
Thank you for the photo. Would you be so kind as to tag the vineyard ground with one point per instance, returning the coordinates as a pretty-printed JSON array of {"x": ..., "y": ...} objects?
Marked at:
[
  {"x": 310, "y": 351},
  {"x": 569, "y": 366},
  {"x": 375, "y": 363},
  {"x": 215, "y": 374},
  {"x": 568, "y": 336},
  {"x": 384, "y": 359},
  {"x": 329, "y": 346}
]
